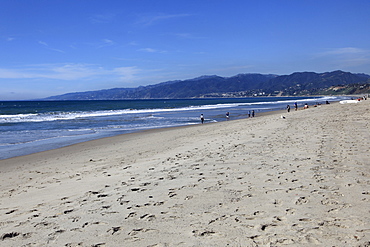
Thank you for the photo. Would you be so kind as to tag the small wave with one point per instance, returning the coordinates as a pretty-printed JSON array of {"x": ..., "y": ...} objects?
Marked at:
[
  {"x": 60, "y": 116},
  {"x": 25, "y": 137}
]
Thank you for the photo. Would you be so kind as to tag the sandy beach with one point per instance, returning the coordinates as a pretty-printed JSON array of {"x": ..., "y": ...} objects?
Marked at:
[{"x": 302, "y": 180}]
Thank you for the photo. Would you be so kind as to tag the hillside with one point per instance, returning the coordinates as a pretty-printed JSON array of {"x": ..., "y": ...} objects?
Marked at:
[
  {"x": 309, "y": 83},
  {"x": 242, "y": 85}
]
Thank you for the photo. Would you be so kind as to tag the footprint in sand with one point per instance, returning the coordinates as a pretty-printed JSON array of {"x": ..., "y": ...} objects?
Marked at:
[
  {"x": 290, "y": 211},
  {"x": 301, "y": 200}
]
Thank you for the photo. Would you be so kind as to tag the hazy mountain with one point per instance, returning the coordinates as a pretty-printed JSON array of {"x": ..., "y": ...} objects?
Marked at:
[
  {"x": 299, "y": 83},
  {"x": 309, "y": 82}
]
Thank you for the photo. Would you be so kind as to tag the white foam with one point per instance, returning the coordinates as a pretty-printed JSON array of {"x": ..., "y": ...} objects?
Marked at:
[{"x": 57, "y": 116}]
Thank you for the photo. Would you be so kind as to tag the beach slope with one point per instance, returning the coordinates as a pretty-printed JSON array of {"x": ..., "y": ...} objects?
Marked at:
[{"x": 302, "y": 179}]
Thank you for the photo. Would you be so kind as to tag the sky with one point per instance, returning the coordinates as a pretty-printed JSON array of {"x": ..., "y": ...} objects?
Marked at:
[{"x": 52, "y": 47}]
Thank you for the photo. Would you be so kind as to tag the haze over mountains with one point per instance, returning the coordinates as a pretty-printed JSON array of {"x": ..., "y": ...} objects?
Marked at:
[{"x": 241, "y": 85}]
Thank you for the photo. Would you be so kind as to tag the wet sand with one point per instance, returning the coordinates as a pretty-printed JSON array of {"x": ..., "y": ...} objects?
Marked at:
[{"x": 302, "y": 180}]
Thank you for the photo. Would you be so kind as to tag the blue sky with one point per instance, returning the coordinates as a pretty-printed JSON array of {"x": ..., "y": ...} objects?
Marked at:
[{"x": 51, "y": 47}]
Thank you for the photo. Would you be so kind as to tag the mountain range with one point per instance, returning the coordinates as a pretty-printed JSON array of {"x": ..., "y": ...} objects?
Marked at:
[{"x": 241, "y": 85}]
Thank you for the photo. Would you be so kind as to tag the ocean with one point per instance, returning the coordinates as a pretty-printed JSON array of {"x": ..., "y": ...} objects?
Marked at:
[{"x": 33, "y": 126}]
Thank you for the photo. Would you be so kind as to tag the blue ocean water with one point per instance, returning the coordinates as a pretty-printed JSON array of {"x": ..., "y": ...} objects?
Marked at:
[{"x": 32, "y": 126}]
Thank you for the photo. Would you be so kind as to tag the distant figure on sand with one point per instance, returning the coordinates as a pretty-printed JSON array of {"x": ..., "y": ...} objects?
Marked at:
[
  {"x": 227, "y": 115},
  {"x": 295, "y": 106},
  {"x": 252, "y": 113},
  {"x": 305, "y": 106},
  {"x": 288, "y": 108},
  {"x": 202, "y": 118}
]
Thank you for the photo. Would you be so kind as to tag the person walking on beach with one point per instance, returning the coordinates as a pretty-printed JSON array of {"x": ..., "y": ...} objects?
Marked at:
[
  {"x": 227, "y": 115},
  {"x": 295, "y": 106},
  {"x": 202, "y": 118},
  {"x": 252, "y": 113},
  {"x": 288, "y": 108}
]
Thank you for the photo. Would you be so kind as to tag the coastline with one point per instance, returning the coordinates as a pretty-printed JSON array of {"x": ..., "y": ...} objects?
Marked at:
[
  {"x": 46, "y": 130},
  {"x": 58, "y": 149},
  {"x": 303, "y": 180}
]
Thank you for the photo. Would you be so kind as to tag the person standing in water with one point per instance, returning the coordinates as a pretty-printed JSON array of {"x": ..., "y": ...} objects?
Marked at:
[
  {"x": 227, "y": 115},
  {"x": 202, "y": 118}
]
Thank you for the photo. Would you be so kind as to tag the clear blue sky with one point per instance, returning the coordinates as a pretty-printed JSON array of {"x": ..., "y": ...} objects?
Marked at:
[{"x": 51, "y": 47}]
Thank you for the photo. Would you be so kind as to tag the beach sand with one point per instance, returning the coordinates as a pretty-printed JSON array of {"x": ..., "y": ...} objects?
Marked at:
[{"x": 266, "y": 181}]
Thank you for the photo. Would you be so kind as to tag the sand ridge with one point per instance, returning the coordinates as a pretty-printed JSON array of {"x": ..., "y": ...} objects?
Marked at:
[{"x": 267, "y": 181}]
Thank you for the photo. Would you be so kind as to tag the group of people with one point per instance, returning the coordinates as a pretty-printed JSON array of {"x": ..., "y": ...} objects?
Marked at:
[
  {"x": 250, "y": 114},
  {"x": 304, "y": 107}
]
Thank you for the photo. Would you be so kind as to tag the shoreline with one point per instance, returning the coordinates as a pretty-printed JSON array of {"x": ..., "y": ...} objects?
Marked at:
[
  {"x": 18, "y": 145},
  {"x": 139, "y": 131},
  {"x": 303, "y": 180},
  {"x": 104, "y": 140}
]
